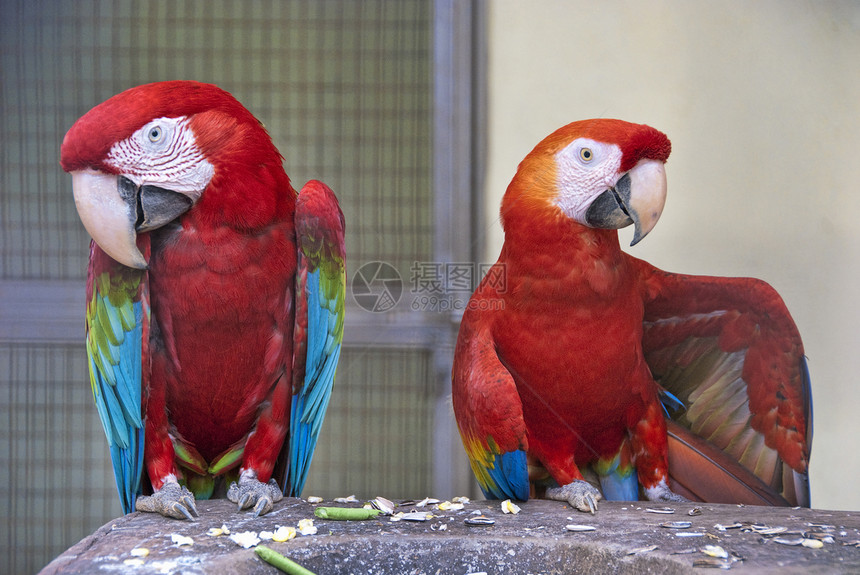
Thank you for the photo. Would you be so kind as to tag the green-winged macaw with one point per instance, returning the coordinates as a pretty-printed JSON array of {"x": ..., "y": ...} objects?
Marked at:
[
  {"x": 570, "y": 347},
  {"x": 215, "y": 298}
]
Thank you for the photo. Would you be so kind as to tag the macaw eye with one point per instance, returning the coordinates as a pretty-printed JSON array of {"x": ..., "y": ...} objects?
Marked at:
[
  {"x": 155, "y": 134},
  {"x": 586, "y": 155}
]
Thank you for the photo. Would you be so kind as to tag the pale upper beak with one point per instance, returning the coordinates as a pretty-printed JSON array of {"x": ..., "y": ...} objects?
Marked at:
[
  {"x": 113, "y": 209},
  {"x": 637, "y": 198}
]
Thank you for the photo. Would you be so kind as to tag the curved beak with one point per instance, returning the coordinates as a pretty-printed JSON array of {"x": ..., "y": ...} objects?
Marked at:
[
  {"x": 113, "y": 209},
  {"x": 637, "y": 198}
]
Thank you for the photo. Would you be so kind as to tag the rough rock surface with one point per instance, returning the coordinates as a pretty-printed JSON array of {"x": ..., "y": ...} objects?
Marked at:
[{"x": 628, "y": 538}]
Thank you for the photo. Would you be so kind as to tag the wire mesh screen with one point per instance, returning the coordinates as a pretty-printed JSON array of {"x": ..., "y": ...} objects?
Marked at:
[
  {"x": 376, "y": 439},
  {"x": 345, "y": 89},
  {"x": 54, "y": 467}
]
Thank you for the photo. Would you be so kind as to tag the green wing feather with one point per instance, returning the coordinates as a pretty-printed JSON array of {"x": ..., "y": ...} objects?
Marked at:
[
  {"x": 320, "y": 311},
  {"x": 117, "y": 330}
]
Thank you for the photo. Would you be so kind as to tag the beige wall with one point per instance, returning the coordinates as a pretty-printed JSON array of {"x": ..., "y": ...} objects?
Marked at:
[{"x": 762, "y": 103}]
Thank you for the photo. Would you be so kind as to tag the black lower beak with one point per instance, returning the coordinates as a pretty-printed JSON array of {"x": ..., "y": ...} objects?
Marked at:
[
  {"x": 152, "y": 206},
  {"x": 610, "y": 209}
]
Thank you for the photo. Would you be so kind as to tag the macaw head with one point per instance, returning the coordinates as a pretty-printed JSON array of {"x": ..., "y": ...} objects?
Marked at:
[
  {"x": 599, "y": 173},
  {"x": 146, "y": 156}
]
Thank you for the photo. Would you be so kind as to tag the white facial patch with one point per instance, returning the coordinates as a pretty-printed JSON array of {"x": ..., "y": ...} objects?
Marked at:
[
  {"x": 164, "y": 153},
  {"x": 585, "y": 169}
]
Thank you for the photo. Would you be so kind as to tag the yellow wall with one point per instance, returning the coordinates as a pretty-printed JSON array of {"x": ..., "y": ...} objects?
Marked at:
[{"x": 762, "y": 103}]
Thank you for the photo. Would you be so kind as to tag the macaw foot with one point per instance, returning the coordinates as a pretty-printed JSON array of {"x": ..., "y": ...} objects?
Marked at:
[
  {"x": 172, "y": 500},
  {"x": 663, "y": 494},
  {"x": 250, "y": 492},
  {"x": 580, "y": 494}
]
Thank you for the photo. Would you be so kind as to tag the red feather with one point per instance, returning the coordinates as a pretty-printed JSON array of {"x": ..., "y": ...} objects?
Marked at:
[{"x": 566, "y": 353}]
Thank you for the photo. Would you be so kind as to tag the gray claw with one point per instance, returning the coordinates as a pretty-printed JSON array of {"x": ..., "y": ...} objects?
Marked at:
[
  {"x": 180, "y": 508},
  {"x": 663, "y": 494},
  {"x": 580, "y": 494},
  {"x": 263, "y": 506},
  {"x": 172, "y": 500},
  {"x": 250, "y": 492}
]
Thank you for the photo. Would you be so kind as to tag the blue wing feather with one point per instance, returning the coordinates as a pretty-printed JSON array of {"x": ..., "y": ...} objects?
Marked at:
[
  {"x": 510, "y": 475},
  {"x": 115, "y": 348},
  {"x": 310, "y": 403},
  {"x": 321, "y": 294}
]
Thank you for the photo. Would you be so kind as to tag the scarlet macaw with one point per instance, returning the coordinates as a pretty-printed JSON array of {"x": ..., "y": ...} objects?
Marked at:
[
  {"x": 215, "y": 297},
  {"x": 569, "y": 344}
]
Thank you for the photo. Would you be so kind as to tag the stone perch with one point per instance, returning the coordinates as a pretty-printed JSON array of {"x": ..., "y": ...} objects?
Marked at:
[{"x": 621, "y": 538}]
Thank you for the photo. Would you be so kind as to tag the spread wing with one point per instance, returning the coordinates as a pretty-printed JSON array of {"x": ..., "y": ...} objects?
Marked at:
[
  {"x": 117, "y": 318},
  {"x": 320, "y": 309},
  {"x": 728, "y": 349}
]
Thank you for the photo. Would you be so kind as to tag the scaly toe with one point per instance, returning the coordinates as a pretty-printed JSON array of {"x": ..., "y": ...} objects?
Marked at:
[
  {"x": 252, "y": 493},
  {"x": 172, "y": 500},
  {"x": 579, "y": 494}
]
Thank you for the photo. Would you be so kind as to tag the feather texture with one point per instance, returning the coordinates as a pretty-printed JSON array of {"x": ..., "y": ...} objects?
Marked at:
[
  {"x": 570, "y": 357},
  {"x": 117, "y": 318},
  {"x": 321, "y": 294}
]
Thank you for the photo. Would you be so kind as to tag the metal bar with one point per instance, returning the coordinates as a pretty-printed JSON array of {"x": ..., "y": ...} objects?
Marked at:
[{"x": 453, "y": 149}]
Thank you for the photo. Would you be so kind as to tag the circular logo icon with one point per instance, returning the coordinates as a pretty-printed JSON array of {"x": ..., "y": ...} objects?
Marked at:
[{"x": 377, "y": 286}]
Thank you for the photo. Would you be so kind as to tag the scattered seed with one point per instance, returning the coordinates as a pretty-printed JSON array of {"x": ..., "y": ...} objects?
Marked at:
[
  {"x": 665, "y": 510},
  {"x": 306, "y": 527},
  {"x": 770, "y": 530},
  {"x": 824, "y": 537},
  {"x": 134, "y": 562},
  {"x": 676, "y": 525},
  {"x": 282, "y": 534},
  {"x": 384, "y": 505},
  {"x": 350, "y": 499},
  {"x": 713, "y": 563},
  {"x": 580, "y": 528},
  {"x": 181, "y": 540},
  {"x": 509, "y": 506},
  {"x": 695, "y": 511},
  {"x": 734, "y": 525},
  {"x": 640, "y": 550},
  {"x": 245, "y": 539},
  {"x": 314, "y": 499},
  {"x": 788, "y": 540},
  {"x": 715, "y": 551},
  {"x": 414, "y": 516},
  {"x": 812, "y": 543},
  {"x": 448, "y": 506},
  {"x": 218, "y": 531},
  {"x": 426, "y": 501},
  {"x": 480, "y": 520},
  {"x": 461, "y": 499},
  {"x": 139, "y": 552},
  {"x": 689, "y": 534}
]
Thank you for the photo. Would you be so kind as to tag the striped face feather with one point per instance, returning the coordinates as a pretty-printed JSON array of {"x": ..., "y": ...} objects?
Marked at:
[
  {"x": 585, "y": 168},
  {"x": 163, "y": 152}
]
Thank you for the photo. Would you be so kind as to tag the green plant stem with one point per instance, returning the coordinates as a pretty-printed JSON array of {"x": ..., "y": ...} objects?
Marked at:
[
  {"x": 346, "y": 513},
  {"x": 274, "y": 558}
]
